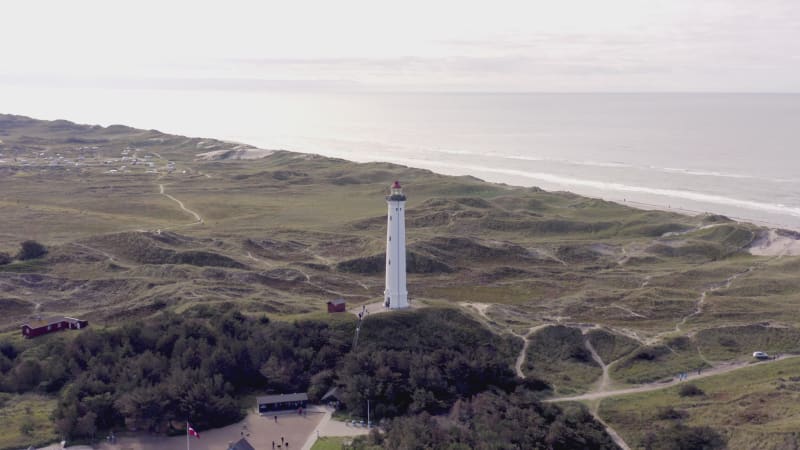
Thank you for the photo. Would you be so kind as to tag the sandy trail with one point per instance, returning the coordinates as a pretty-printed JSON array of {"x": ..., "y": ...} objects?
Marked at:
[
  {"x": 718, "y": 370},
  {"x": 602, "y": 386},
  {"x": 524, "y": 352},
  {"x": 702, "y": 300},
  {"x": 266, "y": 263},
  {"x": 106, "y": 254},
  {"x": 605, "y": 379},
  {"x": 198, "y": 219},
  {"x": 629, "y": 311}
]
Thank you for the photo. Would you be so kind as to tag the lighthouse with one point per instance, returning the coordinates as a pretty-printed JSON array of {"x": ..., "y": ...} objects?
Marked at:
[{"x": 396, "y": 296}]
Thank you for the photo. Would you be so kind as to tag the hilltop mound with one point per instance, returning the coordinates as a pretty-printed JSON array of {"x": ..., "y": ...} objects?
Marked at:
[{"x": 143, "y": 248}]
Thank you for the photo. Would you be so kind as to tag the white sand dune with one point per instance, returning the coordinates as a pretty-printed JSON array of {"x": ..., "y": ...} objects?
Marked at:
[
  {"x": 235, "y": 153},
  {"x": 776, "y": 244}
]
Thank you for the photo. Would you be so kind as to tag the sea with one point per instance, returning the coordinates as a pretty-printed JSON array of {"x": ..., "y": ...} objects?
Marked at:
[{"x": 731, "y": 154}]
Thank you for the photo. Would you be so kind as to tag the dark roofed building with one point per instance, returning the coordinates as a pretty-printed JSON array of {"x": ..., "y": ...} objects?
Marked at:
[
  {"x": 338, "y": 305},
  {"x": 43, "y": 326},
  {"x": 282, "y": 402},
  {"x": 242, "y": 444}
]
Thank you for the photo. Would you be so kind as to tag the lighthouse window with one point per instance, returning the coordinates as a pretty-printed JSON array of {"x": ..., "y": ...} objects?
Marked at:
[
  {"x": 390, "y": 262},
  {"x": 390, "y": 239}
]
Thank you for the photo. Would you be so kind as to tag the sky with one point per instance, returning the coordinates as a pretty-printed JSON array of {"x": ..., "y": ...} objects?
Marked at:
[{"x": 436, "y": 46}]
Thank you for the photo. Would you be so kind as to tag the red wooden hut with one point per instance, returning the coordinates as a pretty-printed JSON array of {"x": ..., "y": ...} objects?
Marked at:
[
  {"x": 338, "y": 305},
  {"x": 39, "y": 327}
]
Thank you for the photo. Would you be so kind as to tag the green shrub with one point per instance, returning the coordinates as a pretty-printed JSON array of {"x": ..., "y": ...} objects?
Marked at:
[
  {"x": 31, "y": 250},
  {"x": 682, "y": 437},
  {"x": 690, "y": 390}
]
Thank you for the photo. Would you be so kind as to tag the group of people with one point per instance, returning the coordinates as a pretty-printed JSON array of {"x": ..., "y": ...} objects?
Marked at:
[
  {"x": 685, "y": 375},
  {"x": 283, "y": 444}
]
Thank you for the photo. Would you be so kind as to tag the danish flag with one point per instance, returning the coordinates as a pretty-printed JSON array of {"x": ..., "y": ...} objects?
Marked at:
[{"x": 191, "y": 431}]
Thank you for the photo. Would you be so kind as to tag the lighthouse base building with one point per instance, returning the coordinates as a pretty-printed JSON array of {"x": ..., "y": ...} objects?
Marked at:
[{"x": 396, "y": 295}]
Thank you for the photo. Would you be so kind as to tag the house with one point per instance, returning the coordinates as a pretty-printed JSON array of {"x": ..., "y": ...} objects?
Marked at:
[
  {"x": 282, "y": 402},
  {"x": 241, "y": 444},
  {"x": 338, "y": 305},
  {"x": 39, "y": 327}
]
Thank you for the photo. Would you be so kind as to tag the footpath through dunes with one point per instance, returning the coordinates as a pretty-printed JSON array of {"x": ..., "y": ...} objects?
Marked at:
[
  {"x": 716, "y": 370},
  {"x": 482, "y": 310},
  {"x": 198, "y": 219}
]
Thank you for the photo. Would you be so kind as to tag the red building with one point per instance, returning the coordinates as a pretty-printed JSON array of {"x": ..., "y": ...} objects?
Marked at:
[
  {"x": 53, "y": 324},
  {"x": 337, "y": 305}
]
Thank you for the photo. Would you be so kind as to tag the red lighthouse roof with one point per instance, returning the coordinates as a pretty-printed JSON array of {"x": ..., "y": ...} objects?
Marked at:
[{"x": 396, "y": 185}]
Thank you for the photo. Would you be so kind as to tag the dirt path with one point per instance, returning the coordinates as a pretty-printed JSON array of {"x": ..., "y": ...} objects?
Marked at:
[
  {"x": 702, "y": 300},
  {"x": 605, "y": 378},
  {"x": 198, "y": 219},
  {"x": 266, "y": 263},
  {"x": 613, "y": 433},
  {"x": 602, "y": 386},
  {"x": 718, "y": 370},
  {"x": 106, "y": 254},
  {"x": 629, "y": 311},
  {"x": 524, "y": 352}
]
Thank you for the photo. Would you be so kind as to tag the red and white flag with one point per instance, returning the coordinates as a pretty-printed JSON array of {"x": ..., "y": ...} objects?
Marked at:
[{"x": 191, "y": 431}]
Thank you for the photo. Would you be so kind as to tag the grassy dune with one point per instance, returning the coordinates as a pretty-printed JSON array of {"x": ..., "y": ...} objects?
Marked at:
[{"x": 756, "y": 407}]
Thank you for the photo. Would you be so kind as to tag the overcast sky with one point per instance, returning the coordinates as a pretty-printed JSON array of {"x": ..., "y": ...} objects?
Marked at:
[{"x": 487, "y": 46}]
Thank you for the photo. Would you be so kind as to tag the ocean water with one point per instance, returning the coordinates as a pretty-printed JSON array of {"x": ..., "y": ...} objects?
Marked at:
[{"x": 732, "y": 154}]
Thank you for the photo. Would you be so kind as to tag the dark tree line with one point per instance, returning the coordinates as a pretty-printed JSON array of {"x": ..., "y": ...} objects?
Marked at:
[
  {"x": 495, "y": 420},
  {"x": 409, "y": 365},
  {"x": 145, "y": 374},
  {"x": 424, "y": 361}
]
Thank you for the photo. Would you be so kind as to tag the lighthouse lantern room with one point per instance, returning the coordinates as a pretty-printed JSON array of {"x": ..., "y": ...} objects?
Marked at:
[{"x": 396, "y": 296}]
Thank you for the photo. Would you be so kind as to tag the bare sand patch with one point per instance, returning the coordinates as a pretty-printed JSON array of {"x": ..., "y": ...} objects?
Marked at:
[
  {"x": 239, "y": 152},
  {"x": 775, "y": 244}
]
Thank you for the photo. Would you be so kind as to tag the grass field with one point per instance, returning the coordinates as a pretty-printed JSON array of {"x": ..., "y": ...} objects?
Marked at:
[
  {"x": 331, "y": 443},
  {"x": 25, "y": 420},
  {"x": 756, "y": 407}
]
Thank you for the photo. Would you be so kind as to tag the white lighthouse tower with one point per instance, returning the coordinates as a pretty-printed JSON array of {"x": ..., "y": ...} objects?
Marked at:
[{"x": 396, "y": 296}]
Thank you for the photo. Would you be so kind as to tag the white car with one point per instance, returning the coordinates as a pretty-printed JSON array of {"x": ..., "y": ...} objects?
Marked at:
[{"x": 760, "y": 355}]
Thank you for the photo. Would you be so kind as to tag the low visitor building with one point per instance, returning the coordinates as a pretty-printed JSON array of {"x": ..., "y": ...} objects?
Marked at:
[
  {"x": 39, "y": 327},
  {"x": 241, "y": 444},
  {"x": 282, "y": 402}
]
